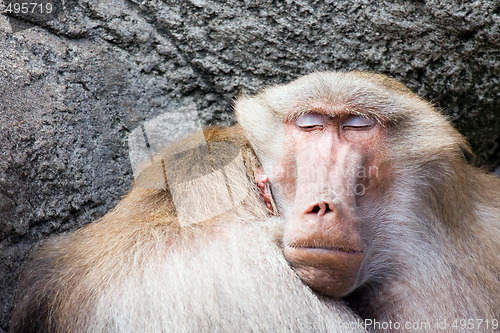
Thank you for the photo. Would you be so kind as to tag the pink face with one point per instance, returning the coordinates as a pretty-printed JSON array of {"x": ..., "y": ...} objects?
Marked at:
[{"x": 331, "y": 164}]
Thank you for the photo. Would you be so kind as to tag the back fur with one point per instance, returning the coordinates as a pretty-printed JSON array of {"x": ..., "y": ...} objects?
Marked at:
[{"x": 139, "y": 270}]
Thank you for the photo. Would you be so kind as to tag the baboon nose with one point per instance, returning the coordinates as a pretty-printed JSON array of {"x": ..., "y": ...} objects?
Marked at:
[{"x": 320, "y": 208}]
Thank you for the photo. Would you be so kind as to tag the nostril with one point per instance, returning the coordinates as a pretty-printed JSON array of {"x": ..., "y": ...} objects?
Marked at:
[
  {"x": 327, "y": 208},
  {"x": 315, "y": 209},
  {"x": 321, "y": 208}
]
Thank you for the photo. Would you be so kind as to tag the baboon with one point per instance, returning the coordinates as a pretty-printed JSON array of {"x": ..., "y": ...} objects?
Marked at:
[
  {"x": 375, "y": 206},
  {"x": 141, "y": 268},
  {"x": 381, "y": 206}
]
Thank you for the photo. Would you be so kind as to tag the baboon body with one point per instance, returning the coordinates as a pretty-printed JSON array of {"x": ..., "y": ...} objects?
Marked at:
[
  {"x": 138, "y": 270},
  {"x": 375, "y": 205}
]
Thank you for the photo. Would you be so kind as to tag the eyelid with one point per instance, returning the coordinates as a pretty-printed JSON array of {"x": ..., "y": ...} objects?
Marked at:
[
  {"x": 310, "y": 120},
  {"x": 356, "y": 122}
]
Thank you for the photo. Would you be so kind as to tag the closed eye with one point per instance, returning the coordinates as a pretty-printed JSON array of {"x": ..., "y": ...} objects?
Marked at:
[
  {"x": 356, "y": 122},
  {"x": 311, "y": 121}
]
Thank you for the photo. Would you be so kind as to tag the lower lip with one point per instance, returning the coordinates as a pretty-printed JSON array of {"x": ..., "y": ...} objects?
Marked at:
[{"x": 323, "y": 258}]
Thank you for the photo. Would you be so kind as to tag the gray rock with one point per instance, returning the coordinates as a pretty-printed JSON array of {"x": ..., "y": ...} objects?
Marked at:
[{"x": 73, "y": 86}]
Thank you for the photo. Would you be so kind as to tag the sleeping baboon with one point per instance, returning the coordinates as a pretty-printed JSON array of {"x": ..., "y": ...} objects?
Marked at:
[
  {"x": 381, "y": 207},
  {"x": 142, "y": 269}
]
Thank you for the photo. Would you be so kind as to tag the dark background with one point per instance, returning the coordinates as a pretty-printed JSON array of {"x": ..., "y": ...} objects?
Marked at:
[{"x": 74, "y": 85}]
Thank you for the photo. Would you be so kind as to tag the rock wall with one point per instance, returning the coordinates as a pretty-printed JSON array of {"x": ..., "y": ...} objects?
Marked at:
[{"x": 75, "y": 83}]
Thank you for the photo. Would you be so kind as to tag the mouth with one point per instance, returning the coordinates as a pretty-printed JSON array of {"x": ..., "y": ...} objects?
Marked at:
[
  {"x": 345, "y": 250},
  {"x": 330, "y": 269},
  {"x": 324, "y": 247},
  {"x": 322, "y": 250}
]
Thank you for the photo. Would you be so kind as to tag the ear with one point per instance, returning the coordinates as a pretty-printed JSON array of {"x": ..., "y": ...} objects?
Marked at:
[{"x": 262, "y": 181}]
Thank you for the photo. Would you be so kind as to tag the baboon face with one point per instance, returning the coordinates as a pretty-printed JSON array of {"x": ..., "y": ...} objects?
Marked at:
[{"x": 329, "y": 165}]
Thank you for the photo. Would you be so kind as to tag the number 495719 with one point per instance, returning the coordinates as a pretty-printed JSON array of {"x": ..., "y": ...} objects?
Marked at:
[{"x": 26, "y": 8}]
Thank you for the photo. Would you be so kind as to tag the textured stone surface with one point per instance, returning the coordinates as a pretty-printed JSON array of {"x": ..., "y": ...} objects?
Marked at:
[{"x": 71, "y": 89}]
